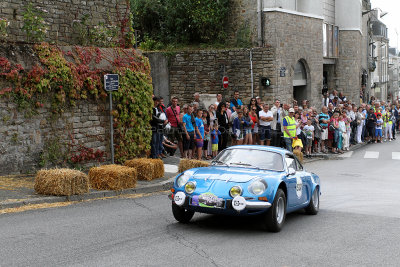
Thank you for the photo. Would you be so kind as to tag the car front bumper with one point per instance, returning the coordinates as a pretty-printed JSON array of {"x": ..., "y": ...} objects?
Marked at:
[{"x": 238, "y": 204}]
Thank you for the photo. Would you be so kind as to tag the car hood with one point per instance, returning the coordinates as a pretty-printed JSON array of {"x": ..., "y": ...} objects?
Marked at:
[{"x": 232, "y": 174}]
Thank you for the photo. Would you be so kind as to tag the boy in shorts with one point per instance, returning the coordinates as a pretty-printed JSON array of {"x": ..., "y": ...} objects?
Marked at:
[
  {"x": 214, "y": 140},
  {"x": 378, "y": 128},
  {"x": 309, "y": 131}
]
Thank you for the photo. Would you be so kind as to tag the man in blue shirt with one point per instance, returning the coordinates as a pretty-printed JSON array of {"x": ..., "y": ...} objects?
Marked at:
[
  {"x": 323, "y": 122},
  {"x": 189, "y": 125},
  {"x": 236, "y": 103}
]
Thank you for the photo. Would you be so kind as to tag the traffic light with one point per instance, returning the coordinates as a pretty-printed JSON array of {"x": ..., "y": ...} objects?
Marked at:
[{"x": 265, "y": 82}]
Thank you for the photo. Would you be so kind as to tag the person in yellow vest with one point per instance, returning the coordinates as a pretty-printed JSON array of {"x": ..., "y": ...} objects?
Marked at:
[
  {"x": 388, "y": 125},
  {"x": 289, "y": 129}
]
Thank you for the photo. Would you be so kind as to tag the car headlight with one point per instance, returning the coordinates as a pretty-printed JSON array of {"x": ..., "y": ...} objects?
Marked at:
[
  {"x": 182, "y": 180},
  {"x": 190, "y": 187},
  {"x": 257, "y": 187},
  {"x": 235, "y": 191}
]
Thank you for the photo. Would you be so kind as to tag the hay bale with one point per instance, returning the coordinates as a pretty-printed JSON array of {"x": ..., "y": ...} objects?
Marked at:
[
  {"x": 112, "y": 177},
  {"x": 158, "y": 168},
  {"x": 145, "y": 168},
  {"x": 186, "y": 164},
  {"x": 61, "y": 182}
]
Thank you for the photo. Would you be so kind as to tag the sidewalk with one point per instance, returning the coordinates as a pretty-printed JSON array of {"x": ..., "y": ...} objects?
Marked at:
[{"x": 18, "y": 190}]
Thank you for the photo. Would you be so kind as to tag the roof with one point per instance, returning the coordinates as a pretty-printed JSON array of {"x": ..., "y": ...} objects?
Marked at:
[{"x": 265, "y": 148}]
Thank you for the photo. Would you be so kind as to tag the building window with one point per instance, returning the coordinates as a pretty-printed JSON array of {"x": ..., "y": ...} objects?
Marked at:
[{"x": 330, "y": 41}]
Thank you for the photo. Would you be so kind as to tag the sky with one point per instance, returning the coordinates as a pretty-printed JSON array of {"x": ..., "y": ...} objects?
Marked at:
[{"x": 392, "y": 19}]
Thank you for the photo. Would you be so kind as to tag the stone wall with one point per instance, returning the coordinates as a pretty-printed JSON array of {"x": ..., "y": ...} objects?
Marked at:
[
  {"x": 242, "y": 20},
  {"x": 60, "y": 15},
  {"x": 27, "y": 142},
  {"x": 295, "y": 38},
  {"x": 349, "y": 65},
  {"x": 202, "y": 71}
]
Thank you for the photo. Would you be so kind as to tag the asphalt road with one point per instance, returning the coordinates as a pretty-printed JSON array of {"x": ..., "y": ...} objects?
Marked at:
[{"x": 358, "y": 225}]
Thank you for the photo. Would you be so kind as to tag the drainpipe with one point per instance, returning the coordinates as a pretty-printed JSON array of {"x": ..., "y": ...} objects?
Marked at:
[
  {"x": 251, "y": 73},
  {"x": 259, "y": 22}
]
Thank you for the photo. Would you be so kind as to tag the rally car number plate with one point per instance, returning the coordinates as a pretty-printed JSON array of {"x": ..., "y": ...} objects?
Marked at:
[{"x": 208, "y": 200}]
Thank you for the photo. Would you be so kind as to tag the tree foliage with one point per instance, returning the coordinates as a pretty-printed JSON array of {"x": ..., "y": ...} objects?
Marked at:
[{"x": 181, "y": 21}]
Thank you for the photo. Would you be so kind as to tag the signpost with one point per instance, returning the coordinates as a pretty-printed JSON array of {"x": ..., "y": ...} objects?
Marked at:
[
  {"x": 111, "y": 83},
  {"x": 225, "y": 82}
]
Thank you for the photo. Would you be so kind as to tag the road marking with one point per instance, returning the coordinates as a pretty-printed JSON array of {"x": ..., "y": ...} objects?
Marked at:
[
  {"x": 371, "y": 155},
  {"x": 396, "y": 155},
  {"x": 347, "y": 154},
  {"x": 170, "y": 168}
]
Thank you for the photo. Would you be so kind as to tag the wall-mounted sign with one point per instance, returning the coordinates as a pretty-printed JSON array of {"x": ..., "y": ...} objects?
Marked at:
[
  {"x": 225, "y": 82},
  {"x": 282, "y": 72},
  {"x": 265, "y": 82}
]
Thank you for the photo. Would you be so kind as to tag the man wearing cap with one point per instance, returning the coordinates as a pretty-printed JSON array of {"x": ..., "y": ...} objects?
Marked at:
[{"x": 289, "y": 129}]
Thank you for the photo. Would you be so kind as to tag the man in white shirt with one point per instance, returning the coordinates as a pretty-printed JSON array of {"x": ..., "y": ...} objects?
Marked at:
[
  {"x": 219, "y": 99},
  {"x": 276, "y": 123},
  {"x": 265, "y": 117}
]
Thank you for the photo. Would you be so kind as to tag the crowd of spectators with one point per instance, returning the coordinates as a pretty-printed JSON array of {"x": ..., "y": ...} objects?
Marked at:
[{"x": 200, "y": 133}]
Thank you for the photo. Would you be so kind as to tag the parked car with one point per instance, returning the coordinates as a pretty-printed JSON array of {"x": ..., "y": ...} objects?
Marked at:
[{"x": 244, "y": 181}]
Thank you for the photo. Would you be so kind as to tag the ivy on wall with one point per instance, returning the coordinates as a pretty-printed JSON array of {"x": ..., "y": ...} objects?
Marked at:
[{"x": 62, "y": 78}]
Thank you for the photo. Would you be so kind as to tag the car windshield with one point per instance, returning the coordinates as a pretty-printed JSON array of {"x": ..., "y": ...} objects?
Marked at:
[{"x": 251, "y": 158}]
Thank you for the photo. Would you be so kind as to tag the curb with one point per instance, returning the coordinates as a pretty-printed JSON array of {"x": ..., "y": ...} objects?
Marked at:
[{"x": 162, "y": 186}]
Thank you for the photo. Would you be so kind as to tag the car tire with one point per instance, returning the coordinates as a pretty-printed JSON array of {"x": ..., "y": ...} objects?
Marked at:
[
  {"x": 276, "y": 214},
  {"x": 182, "y": 215},
  {"x": 313, "y": 207}
]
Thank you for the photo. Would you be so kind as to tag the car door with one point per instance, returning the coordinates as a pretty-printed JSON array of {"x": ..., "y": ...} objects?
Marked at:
[
  {"x": 303, "y": 194},
  {"x": 293, "y": 182}
]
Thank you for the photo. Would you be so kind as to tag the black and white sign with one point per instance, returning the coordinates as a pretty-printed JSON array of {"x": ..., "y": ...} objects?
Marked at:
[
  {"x": 111, "y": 82},
  {"x": 282, "y": 72}
]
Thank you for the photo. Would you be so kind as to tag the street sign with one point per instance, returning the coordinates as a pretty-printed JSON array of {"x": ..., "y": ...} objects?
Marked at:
[
  {"x": 225, "y": 82},
  {"x": 111, "y": 82},
  {"x": 282, "y": 72}
]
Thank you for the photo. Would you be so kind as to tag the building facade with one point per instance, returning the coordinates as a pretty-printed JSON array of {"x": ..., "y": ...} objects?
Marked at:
[
  {"x": 318, "y": 44},
  {"x": 394, "y": 73}
]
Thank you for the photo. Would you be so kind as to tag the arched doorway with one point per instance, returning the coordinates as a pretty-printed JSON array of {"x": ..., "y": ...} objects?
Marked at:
[{"x": 301, "y": 82}]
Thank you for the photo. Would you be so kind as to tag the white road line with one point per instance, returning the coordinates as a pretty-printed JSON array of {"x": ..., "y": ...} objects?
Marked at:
[
  {"x": 371, "y": 155},
  {"x": 347, "y": 154},
  {"x": 396, "y": 155},
  {"x": 170, "y": 168}
]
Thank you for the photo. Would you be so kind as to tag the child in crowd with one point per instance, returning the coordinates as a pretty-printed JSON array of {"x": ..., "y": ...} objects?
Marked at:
[
  {"x": 214, "y": 140},
  {"x": 309, "y": 131},
  {"x": 343, "y": 136},
  {"x": 378, "y": 128}
]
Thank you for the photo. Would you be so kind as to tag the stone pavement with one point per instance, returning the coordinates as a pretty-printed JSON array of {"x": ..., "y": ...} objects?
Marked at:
[{"x": 18, "y": 190}]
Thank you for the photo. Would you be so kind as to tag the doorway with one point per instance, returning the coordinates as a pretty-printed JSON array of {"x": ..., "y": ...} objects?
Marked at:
[{"x": 300, "y": 82}]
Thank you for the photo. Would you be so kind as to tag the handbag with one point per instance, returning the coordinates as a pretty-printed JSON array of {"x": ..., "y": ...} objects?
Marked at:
[{"x": 332, "y": 128}]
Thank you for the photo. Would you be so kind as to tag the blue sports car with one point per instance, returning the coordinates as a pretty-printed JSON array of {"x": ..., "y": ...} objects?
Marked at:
[{"x": 247, "y": 180}]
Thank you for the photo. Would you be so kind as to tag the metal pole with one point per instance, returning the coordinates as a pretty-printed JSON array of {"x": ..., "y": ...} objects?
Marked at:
[
  {"x": 111, "y": 130},
  {"x": 251, "y": 72}
]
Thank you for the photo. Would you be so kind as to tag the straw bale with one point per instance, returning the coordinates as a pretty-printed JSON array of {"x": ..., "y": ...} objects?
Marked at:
[
  {"x": 145, "y": 168},
  {"x": 112, "y": 177},
  {"x": 61, "y": 182},
  {"x": 186, "y": 164},
  {"x": 158, "y": 168}
]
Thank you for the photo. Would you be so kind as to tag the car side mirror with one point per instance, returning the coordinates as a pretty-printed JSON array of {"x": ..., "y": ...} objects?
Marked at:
[{"x": 291, "y": 171}]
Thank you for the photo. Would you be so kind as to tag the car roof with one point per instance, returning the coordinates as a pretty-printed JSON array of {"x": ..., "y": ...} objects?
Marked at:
[{"x": 263, "y": 148}]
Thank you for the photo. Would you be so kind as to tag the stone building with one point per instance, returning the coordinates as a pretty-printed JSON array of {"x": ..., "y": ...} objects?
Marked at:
[
  {"x": 317, "y": 43},
  {"x": 380, "y": 55},
  {"x": 64, "y": 20},
  {"x": 394, "y": 73}
]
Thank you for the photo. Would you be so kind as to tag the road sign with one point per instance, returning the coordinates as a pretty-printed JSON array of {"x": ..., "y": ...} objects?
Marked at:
[
  {"x": 111, "y": 82},
  {"x": 225, "y": 82}
]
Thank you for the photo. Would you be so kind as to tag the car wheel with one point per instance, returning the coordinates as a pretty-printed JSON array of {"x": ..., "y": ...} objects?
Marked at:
[
  {"x": 276, "y": 214},
  {"x": 181, "y": 214},
  {"x": 313, "y": 207}
]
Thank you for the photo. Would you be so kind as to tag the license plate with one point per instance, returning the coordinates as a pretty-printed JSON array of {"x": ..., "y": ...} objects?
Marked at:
[{"x": 208, "y": 200}]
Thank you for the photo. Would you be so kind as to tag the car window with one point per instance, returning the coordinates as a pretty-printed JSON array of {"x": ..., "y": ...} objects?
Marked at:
[
  {"x": 250, "y": 158},
  {"x": 299, "y": 166},
  {"x": 290, "y": 162}
]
